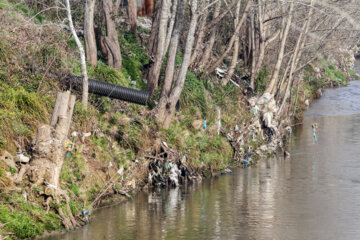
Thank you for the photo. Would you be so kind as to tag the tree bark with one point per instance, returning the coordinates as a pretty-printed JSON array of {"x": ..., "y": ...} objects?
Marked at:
[
  {"x": 89, "y": 32},
  {"x": 111, "y": 39},
  {"x": 132, "y": 14},
  {"x": 154, "y": 29},
  {"x": 200, "y": 36},
  {"x": 85, "y": 84},
  {"x": 253, "y": 50},
  {"x": 171, "y": 23},
  {"x": 154, "y": 72},
  {"x": 49, "y": 154},
  {"x": 275, "y": 75}
]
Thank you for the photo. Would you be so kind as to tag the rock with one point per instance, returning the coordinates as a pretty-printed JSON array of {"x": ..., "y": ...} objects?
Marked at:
[{"x": 8, "y": 159}]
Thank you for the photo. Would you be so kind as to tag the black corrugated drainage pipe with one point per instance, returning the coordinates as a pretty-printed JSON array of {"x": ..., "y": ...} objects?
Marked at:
[{"x": 109, "y": 90}]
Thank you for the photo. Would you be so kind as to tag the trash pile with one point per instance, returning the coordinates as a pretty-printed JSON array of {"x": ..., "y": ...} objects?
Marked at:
[
  {"x": 262, "y": 132},
  {"x": 167, "y": 168}
]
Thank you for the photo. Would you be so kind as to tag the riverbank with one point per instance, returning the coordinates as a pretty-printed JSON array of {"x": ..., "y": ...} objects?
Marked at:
[{"x": 116, "y": 148}]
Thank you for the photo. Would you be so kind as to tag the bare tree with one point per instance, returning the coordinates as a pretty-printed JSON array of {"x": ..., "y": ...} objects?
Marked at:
[
  {"x": 85, "y": 86},
  {"x": 284, "y": 35}
]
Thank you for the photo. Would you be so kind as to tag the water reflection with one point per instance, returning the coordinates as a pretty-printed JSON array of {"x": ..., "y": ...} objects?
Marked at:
[{"x": 313, "y": 195}]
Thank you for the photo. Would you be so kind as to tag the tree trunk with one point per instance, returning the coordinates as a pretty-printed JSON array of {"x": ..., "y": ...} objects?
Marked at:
[
  {"x": 111, "y": 39},
  {"x": 170, "y": 66},
  {"x": 85, "y": 84},
  {"x": 253, "y": 50},
  {"x": 132, "y": 13},
  {"x": 232, "y": 40},
  {"x": 200, "y": 36},
  {"x": 169, "y": 110},
  {"x": 49, "y": 154},
  {"x": 154, "y": 72},
  {"x": 171, "y": 23},
  {"x": 154, "y": 29},
  {"x": 275, "y": 75},
  {"x": 89, "y": 32},
  {"x": 294, "y": 62},
  {"x": 208, "y": 49},
  {"x": 235, "y": 55}
]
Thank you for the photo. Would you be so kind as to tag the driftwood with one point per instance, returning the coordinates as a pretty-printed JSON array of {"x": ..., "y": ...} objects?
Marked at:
[{"x": 49, "y": 155}]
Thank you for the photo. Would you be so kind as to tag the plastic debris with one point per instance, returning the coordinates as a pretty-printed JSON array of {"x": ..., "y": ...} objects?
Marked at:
[
  {"x": 68, "y": 155},
  {"x": 121, "y": 170},
  {"x": 204, "y": 124},
  {"x": 169, "y": 165},
  {"x": 74, "y": 134},
  {"x": 85, "y": 135},
  {"x": 50, "y": 185},
  {"x": 314, "y": 128},
  {"x": 220, "y": 72},
  {"x": 22, "y": 158},
  {"x": 256, "y": 110},
  {"x": 174, "y": 176}
]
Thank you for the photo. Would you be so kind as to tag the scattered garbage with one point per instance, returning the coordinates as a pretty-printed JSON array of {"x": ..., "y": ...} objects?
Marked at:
[
  {"x": 204, "y": 125},
  {"x": 85, "y": 214},
  {"x": 220, "y": 72},
  {"x": 314, "y": 127},
  {"x": 174, "y": 175},
  {"x": 85, "y": 135},
  {"x": 22, "y": 157},
  {"x": 121, "y": 170}
]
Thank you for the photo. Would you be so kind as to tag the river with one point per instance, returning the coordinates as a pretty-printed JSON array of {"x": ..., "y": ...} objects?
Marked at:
[{"x": 314, "y": 194}]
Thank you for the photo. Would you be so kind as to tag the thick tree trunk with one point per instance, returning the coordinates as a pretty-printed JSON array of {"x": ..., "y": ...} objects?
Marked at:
[
  {"x": 232, "y": 40},
  {"x": 49, "y": 154},
  {"x": 154, "y": 72},
  {"x": 111, "y": 39},
  {"x": 85, "y": 84},
  {"x": 89, "y": 32},
  {"x": 132, "y": 14},
  {"x": 170, "y": 66},
  {"x": 154, "y": 29},
  {"x": 275, "y": 75},
  {"x": 179, "y": 83}
]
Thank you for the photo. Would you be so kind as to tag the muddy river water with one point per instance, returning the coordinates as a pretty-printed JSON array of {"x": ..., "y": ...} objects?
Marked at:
[{"x": 314, "y": 194}]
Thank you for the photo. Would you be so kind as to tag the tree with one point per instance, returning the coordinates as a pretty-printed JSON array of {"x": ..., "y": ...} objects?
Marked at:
[
  {"x": 89, "y": 32},
  {"x": 154, "y": 71},
  {"x": 111, "y": 40},
  {"x": 85, "y": 85},
  {"x": 165, "y": 111},
  {"x": 132, "y": 13}
]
